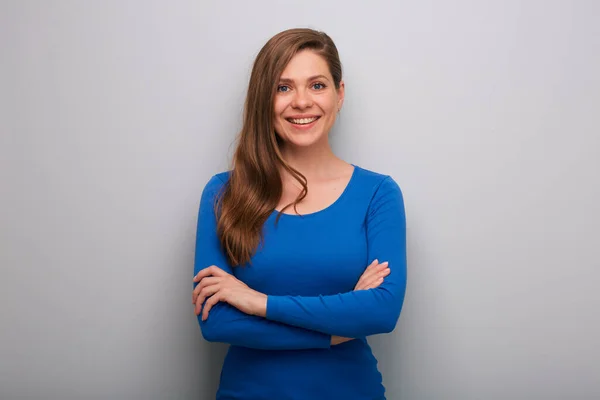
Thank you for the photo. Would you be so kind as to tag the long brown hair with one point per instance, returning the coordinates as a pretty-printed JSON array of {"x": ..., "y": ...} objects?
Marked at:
[{"x": 254, "y": 188}]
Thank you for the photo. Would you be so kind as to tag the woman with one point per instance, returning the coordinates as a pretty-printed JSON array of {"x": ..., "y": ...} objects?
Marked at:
[{"x": 289, "y": 241}]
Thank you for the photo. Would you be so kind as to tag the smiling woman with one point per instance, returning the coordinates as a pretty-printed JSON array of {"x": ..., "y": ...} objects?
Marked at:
[
  {"x": 306, "y": 105},
  {"x": 296, "y": 293}
]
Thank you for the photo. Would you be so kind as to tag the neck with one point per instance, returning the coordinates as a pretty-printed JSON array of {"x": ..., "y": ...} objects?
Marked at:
[{"x": 313, "y": 162}]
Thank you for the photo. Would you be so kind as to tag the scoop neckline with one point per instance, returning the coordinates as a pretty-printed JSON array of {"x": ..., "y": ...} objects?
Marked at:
[{"x": 329, "y": 207}]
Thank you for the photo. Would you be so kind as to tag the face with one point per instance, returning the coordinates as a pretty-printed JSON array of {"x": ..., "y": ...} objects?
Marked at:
[{"x": 307, "y": 101}]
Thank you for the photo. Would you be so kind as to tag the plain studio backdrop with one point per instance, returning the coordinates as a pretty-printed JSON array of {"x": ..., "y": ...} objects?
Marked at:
[{"x": 114, "y": 115}]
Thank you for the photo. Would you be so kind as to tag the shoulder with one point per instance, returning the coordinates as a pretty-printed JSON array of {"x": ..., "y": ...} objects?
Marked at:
[
  {"x": 382, "y": 194},
  {"x": 219, "y": 179},
  {"x": 214, "y": 185},
  {"x": 377, "y": 183},
  {"x": 222, "y": 177}
]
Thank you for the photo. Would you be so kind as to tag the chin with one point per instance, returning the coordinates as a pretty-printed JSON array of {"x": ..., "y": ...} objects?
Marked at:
[{"x": 300, "y": 140}]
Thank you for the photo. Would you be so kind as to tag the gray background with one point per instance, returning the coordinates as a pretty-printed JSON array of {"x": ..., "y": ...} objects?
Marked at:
[{"x": 114, "y": 114}]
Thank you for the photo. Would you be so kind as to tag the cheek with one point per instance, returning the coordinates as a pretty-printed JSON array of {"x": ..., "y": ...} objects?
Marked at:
[
  {"x": 277, "y": 118},
  {"x": 279, "y": 106},
  {"x": 329, "y": 105}
]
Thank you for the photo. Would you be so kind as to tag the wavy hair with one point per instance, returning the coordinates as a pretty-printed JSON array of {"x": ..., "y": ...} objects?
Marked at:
[{"x": 255, "y": 187}]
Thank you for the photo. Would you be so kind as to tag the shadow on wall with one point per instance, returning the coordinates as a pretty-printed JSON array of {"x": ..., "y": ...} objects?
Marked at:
[{"x": 212, "y": 364}]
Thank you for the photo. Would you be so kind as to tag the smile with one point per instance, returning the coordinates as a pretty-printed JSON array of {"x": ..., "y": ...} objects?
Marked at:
[{"x": 302, "y": 121}]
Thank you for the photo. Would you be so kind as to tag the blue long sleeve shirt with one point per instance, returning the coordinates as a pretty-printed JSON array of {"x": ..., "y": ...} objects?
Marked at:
[{"x": 308, "y": 266}]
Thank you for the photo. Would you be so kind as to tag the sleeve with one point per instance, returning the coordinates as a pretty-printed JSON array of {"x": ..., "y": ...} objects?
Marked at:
[
  {"x": 363, "y": 312},
  {"x": 226, "y": 323}
]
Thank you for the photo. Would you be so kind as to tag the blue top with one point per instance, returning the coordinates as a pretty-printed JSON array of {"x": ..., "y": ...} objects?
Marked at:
[{"x": 308, "y": 266}]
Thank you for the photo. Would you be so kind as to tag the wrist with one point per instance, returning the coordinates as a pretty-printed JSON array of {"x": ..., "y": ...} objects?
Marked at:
[{"x": 260, "y": 305}]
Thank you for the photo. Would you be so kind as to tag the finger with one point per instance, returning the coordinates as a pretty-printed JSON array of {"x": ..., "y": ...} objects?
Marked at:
[
  {"x": 371, "y": 281},
  {"x": 203, "y": 296},
  {"x": 209, "y": 304},
  {"x": 369, "y": 274},
  {"x": 376, "y": 280},
  {"x": 366, "y": 271},
  {"x": 368, "y": 284},
  {"x": 210, "y": 280},
  {"x": 360, "y": 284},
  {"x": 375, "y": 284},
  {"x": 372, "y": 265},
  {"x": 198, "y": 307},
  {"x": 375, "y": 269},
  {"x": 206, "y": 293},
  {"x": 212, "y": 270},
  {"x": 202, "y": 273}
]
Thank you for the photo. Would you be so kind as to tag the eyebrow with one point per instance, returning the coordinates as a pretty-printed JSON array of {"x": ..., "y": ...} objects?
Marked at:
[{"x": 312, "y": 78}]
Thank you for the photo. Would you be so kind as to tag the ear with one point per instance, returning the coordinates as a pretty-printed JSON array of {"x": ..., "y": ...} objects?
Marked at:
[{"x": 341, "y": 93}]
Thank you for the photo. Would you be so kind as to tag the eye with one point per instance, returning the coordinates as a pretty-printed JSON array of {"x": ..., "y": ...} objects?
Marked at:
[
  {"x": 283, "y": 88},
  {"x": 318, "y": 86}
]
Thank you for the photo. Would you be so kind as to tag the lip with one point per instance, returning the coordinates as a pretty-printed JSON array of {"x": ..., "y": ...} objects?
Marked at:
[
  {"x": 302, "y": 116},
  {"x": 306, "y": 126}
]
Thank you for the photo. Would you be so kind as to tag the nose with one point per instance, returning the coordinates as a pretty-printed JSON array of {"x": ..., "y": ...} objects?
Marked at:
[{"x": 301, "y": 99}]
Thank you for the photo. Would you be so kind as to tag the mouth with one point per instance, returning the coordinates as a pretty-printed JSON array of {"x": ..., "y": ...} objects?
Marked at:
[{"x": 302, "y": 121}]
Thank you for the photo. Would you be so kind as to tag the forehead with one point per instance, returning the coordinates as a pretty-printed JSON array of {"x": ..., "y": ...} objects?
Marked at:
[{"x": 305, "y": 64}]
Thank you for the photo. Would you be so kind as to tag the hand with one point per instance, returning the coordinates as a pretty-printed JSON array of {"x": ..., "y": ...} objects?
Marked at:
[
  {"x": 373, "y": 276},
  {"x": 370, "y": 279},
  {"x": 335, "y": 340},
  {"x": 217, "y": 285}
]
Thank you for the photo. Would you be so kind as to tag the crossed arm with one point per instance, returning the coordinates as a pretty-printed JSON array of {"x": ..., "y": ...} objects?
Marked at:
[{"x": 252, "y": 319}]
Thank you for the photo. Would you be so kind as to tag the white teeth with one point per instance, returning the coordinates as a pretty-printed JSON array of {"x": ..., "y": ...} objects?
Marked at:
[{"x": 302, "y": 121}]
